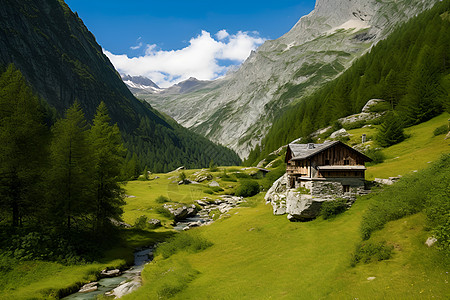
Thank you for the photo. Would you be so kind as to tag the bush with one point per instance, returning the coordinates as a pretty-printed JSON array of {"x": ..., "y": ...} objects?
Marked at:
[
  {"x": 141, "y": 222},
  {"x": 183, "y": 241},
  {"x": 247, "y": 188},
  {"x": 332, "y": 208},
  {"x": 208, "y": 191},
  {"x": 242, "y": 175},
  {"x": 440, "y": 130},
  {"x": 162, "y": 199},
  {"x": 368, "y": 252},
  {"x": 182, "y": 176},
  {"x": 376, "y": 155},
  {"x": 164, "y": 212}
]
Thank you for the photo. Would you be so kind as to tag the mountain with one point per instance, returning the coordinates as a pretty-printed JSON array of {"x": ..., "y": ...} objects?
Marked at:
[
  {"x": 238, "y": 109},
  {"x": 62, "y": 62},
  {"x": 140, "y": 83}
]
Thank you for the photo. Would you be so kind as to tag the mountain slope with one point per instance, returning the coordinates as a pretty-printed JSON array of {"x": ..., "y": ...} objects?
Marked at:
[
  {"x": 62, "y": 61},
  {"x": 410, "y": 69},
  {"x": 238, "y": 110}
]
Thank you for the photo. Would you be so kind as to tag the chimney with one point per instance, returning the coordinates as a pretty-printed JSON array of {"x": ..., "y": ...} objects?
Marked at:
[
  {"x": 310, "y": 146},
  {"x": 363, "y": 138}
]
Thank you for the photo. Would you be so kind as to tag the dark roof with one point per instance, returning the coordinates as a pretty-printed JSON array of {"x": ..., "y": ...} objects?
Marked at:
[{"x": 304, "y": 151}]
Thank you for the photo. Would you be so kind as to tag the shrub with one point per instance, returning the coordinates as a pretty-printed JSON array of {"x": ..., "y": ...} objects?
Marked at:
[
  {"x": 182, "y": 176},
  {"x": 208, "y": 191},
  {"x": 162, "y": 199},
  {"x": 376, "y": 155},
  {"x": 368, "y": 252},
  {"x": 303, "y": 190},
  {"x": 164, "y": 212},
  {"x": 247, "y": 188},
  {"x": 440, "y": 130},
  {"x": 242, "y": 175},
  {"x": 141, "y": 222},
  {"x": 212, "y": 166},
  {"x": 332, "y": 208},
  {"x": 216, "y": 189}
]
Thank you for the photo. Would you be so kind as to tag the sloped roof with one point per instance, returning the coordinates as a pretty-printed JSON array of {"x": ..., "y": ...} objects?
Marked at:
[
  {"x": 339, "y": 168},
  {"x": 304, "y": 151}
]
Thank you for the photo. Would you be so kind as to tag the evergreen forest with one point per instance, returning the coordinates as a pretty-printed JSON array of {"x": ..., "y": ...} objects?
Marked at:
[
  {"x": 410, "y": 70},
  {"x": 59, "y": 185}
]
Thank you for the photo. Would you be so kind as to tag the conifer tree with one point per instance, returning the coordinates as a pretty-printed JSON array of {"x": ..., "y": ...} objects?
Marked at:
[
  {"x": 390, "y": 131},
  {"x": 71, "y": 172},
  {"x": 108, "y": 157},
  {"x": 23, "y": 151}
]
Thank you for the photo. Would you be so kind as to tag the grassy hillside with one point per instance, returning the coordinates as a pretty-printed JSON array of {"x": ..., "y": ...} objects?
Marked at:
[
  {"x": 256, "y": 255},
  {"x": 415, "y": 153}
]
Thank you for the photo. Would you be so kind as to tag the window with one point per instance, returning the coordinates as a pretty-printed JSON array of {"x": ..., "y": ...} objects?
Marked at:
[
  {"x": 327, "y": 162},
  {"x": 346, "y": 188},
  {"x": 346, "y": 162}
]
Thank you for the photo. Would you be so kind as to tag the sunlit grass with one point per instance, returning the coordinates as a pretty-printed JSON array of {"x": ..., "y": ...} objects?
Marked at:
[{"x": 415, "y": 153}]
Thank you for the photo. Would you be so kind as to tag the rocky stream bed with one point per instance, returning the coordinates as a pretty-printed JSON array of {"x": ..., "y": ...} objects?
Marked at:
[{"x": 119, "y": 283}]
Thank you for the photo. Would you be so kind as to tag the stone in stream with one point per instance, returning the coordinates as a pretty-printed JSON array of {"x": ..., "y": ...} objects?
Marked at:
[
  {"x": 89, "y": 287},
  {"x": 110, "y": 273}
]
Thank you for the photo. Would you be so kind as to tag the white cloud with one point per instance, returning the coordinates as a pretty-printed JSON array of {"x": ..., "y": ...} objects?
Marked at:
[
  {"x": 204, "y": 58},
  {"x": 138, "y": 45},
  {"x": 223, "y": 34}
]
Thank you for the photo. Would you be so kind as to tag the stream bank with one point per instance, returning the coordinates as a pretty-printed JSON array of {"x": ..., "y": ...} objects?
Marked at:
[{"x": 114, "y": 282}]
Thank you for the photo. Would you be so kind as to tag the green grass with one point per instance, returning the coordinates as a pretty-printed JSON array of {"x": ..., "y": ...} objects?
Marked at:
[{"x": 415, "y": 153}]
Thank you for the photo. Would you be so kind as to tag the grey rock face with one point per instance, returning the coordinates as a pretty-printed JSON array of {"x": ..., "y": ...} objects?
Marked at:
[
  {"x": 238, "y": 109},
  {"x": 300, "y": 207},
  {"x": 181, "y": 213}
]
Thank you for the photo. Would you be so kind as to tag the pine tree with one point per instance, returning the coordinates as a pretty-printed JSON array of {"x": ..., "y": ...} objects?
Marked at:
[
  {"x": 390, "y": 131},
  {"x": 23, "y": 151},
  {"x": 108, "y": 156},
  {"x": 71, "y": 172}
]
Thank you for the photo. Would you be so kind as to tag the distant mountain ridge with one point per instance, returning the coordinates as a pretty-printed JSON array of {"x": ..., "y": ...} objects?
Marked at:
[
  {"x": 62, "y": 61},
  {"x": 238, "y": 109}
]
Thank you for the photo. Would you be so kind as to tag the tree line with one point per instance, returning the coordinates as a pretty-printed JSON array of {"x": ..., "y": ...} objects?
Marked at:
[
  {"x": 410, "y": 70},
  {"x": 59, "y": 180}
]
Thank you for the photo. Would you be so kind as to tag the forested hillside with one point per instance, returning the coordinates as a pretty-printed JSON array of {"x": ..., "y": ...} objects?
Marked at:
[
  {"x": 62, "y": 62},
  {"x": 410, "y": 69}
]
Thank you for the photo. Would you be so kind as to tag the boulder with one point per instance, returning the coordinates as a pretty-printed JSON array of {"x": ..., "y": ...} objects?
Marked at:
[
  {"x": 110, "y": 273},
  {"x": 214, "y": 183},
  {"x": 181, "y": 213},
  {"x": 430, "y": 241},
  {"x": 339, "y": 133},
  {"x": 279, "y": 186},
  {"x": 126, "y": 288},
  {"x": 370, "y": 103},
  {"x": 154, "y": 222},
  {"x": 89, "y": 287},
  {"x": 301, "y": 207}
]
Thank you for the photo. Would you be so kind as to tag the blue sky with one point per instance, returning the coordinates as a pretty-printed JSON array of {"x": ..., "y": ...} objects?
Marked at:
[{"x": 162, "y": 32}]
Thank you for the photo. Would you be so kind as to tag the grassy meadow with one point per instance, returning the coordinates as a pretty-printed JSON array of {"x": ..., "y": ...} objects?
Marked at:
[{"x": 251, "y": 254}]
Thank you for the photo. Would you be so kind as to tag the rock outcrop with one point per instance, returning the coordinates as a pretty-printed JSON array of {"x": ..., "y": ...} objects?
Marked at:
[{"x": 304, "y": 203}]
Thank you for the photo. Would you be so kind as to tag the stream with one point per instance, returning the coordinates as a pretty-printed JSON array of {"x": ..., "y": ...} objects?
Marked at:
[{"x": 128, "y": 281}]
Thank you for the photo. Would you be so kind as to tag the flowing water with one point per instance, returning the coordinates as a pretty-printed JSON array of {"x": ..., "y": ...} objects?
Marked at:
[{"x": 108, "y": 284}]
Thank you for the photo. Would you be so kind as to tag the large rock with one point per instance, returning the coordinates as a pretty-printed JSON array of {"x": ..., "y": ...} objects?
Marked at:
[
  {"x": 182, "y": 212},
  {"x": 301, "y": 207},
  {"x": 339, "y": 133},
  {"x": 370, "y": 104}
]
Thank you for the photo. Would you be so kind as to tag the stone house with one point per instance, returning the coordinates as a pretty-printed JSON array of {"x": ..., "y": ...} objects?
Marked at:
[{"x": 332, "y": 168}]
